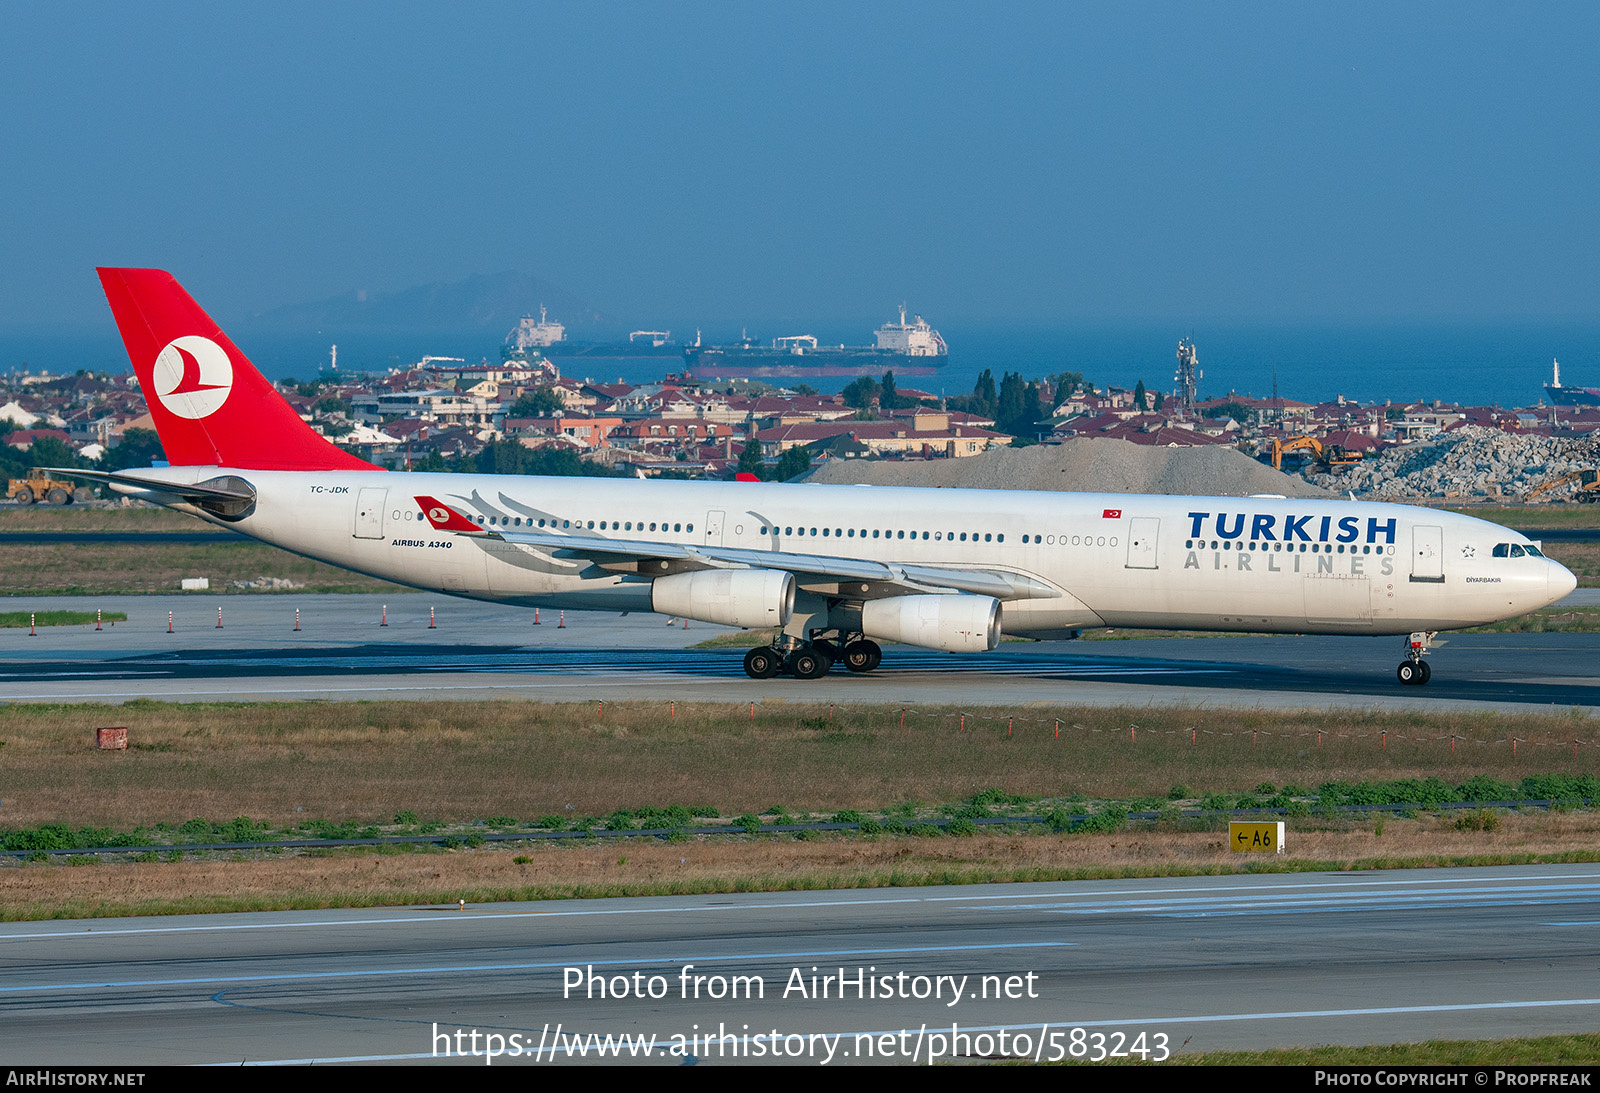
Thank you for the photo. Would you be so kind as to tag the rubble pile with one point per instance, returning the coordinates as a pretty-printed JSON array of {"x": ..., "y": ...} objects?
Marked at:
[
  {"x": 1083, "y": 464},
  {"x": 1472, "y": 461},
  {"x": 267, "y": 584}
]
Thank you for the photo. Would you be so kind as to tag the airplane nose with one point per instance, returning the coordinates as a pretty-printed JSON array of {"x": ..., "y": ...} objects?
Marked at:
[{"x": 1562, "y": 582}]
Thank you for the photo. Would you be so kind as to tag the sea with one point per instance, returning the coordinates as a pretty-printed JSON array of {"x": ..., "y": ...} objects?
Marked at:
[{"x": 1471, "y": 363}]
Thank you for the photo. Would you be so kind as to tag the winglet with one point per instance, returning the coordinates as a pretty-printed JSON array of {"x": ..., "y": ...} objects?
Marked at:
[{"x": 445, "y": 518}]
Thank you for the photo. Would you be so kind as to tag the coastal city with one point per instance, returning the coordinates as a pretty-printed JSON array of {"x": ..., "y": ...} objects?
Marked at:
[{"x": 718, "y": 412}]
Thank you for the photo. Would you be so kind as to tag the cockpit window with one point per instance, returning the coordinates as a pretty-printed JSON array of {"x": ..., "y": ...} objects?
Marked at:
[
  {"x": 1517, "y": 551},
  {"x": 1533, "y": 551},
  {"x": 1502, "y": 550}
]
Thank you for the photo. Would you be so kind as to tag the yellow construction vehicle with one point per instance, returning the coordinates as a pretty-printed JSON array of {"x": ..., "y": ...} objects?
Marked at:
[
  {"x": 39, "y": 486},
  {"x": 1586, "y": 483},
  {"x": 1329, "y": 455}
]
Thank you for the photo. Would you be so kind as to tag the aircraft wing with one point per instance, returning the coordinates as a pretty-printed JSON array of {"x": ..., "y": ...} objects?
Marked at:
[{"x": 857, "y": 577}]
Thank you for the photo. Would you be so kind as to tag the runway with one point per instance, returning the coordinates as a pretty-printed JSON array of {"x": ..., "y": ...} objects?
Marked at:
[
  {"x": 479, "y": 650},
  {"x": 1188, "y": 964}
]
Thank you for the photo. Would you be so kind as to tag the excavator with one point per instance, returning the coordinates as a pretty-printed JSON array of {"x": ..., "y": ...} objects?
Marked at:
[
  {"x": 1331, "y": 456},
  {"x": 1586, "y": 486}
]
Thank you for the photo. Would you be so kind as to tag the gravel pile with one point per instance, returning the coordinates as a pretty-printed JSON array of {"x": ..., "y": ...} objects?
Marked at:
[
  {"x": 1083, "y": 464},
  {"x": 1469, "y": 462}
]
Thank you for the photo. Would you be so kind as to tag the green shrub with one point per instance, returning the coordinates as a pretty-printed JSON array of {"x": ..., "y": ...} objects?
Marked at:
[{"x": 1109, "y": 819}]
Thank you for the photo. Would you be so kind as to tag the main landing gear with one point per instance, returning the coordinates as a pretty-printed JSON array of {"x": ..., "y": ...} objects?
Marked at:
[
  {"x": 812, "y": 659},
  {"x": 1414, "y": 671}
]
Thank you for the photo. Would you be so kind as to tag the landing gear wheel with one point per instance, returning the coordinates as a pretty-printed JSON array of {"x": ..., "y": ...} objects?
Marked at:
[
  {"x": 1412, "y": 673},
  {"x": 809, "y": 664},
  {"x": 862, "y": 656},
  {"x": 762, "y": 663},
  {"x": 1427, "y": 672}
]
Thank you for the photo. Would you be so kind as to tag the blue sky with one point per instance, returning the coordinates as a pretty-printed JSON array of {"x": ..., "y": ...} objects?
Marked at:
[{"x": 985, "y": 162}]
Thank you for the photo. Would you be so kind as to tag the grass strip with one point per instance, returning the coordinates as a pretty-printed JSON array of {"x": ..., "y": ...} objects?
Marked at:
[
  {"x": 16, "y": 619},
  {"x": 165, "y": 885}
]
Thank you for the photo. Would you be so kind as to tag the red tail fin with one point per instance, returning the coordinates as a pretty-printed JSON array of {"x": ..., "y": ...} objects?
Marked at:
[{"x": 210, "y": 405}]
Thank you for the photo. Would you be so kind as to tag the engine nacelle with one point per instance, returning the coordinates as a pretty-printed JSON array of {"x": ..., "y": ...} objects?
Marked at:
[
  {"x": 957, "y": 624},
  {"x": 732, "y": 597}
]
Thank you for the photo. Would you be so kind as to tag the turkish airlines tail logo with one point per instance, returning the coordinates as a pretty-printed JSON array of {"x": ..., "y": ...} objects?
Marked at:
[
  {"x": 443, "y": 517},
  {"x": 193, "y": 376}
]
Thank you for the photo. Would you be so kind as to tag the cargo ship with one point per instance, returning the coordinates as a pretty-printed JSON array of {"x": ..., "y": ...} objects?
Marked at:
[
  {"x": 549, "y": 338},
  {"x": 909, "y": 348},
  {"x": 1569, "y": 396}
]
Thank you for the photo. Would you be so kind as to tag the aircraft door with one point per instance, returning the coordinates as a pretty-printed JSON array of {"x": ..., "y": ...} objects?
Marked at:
[
  {"x": 369, "y": 512},
  {"x": 1144, "y": 532},
  {"x": 714, "y": 521},
  {"x": 1427, "y": 554}
]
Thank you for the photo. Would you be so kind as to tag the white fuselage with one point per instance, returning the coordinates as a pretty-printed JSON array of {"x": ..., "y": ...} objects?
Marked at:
[{"x": 1249, "y": 564}]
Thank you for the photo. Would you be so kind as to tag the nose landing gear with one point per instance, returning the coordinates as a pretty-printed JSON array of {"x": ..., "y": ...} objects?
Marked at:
[{"x": 1414, "y": 671}]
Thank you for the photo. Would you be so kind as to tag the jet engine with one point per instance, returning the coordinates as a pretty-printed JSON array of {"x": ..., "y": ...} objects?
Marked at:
[
  {"x": 957, "y": 624},
  {"x": 732, "y": 597}
]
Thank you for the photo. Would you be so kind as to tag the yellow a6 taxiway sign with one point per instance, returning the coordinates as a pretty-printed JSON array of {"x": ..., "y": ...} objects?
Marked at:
[{"x": 1249, "y": 837}]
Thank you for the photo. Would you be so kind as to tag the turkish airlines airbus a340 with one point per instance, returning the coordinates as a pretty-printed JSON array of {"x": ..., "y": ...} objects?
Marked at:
[{"x": 835, "y": 568}]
